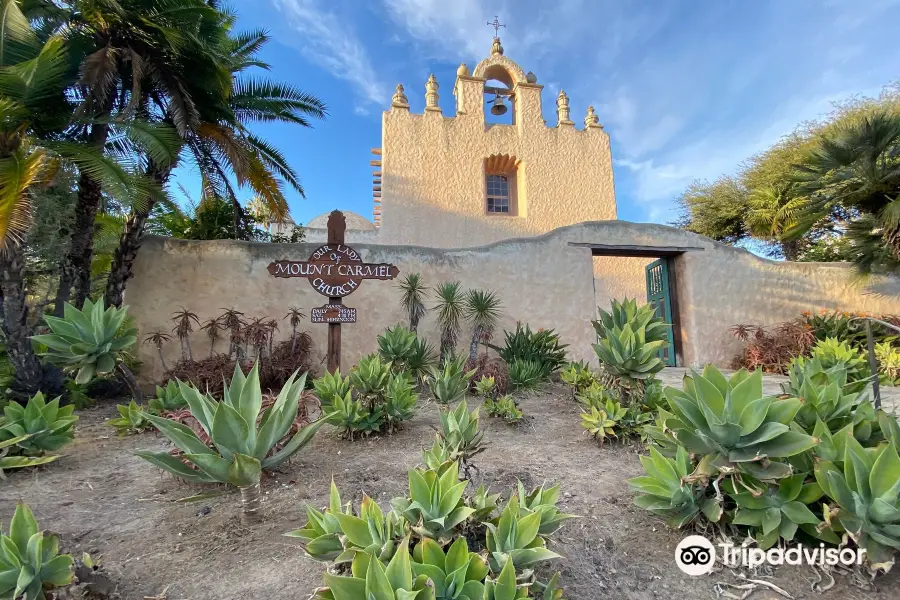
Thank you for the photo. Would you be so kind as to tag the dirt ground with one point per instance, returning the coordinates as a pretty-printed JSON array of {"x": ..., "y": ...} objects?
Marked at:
[{"x": 103, "y": 499}]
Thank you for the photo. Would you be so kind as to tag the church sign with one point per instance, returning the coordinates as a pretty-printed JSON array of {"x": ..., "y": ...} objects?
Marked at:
[
  {"x": 334, "y": 270},
  {"x": 332, "y": 313}
]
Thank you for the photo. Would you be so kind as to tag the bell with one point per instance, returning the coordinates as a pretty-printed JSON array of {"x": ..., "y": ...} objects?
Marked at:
[{"x": 498, "y": 107}]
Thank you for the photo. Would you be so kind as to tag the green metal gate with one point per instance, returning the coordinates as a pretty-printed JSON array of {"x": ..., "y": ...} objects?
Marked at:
[{"x": 658, "y": 295}]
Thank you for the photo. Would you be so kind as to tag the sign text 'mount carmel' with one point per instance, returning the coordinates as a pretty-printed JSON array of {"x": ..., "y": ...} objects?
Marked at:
[{"x": 334, "y": 270}]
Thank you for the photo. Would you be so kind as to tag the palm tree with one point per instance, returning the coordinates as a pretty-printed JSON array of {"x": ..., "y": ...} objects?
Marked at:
[
  {"x": 36, "y": 110},
  {"x": 772, "y": 213},
  {"x": 222, "y": 146},
  {"x": 295, "y": 315},
  {"x": 857, "y": 168},
  {"x": 184, "y": 326},
  {"x": 130, "y": 50},
  {"x": 414, "y": 292},
  {"x": 483, "y": 309},
  {"x": 450, "y": 307},
  {"x": 158, "y": 338}
]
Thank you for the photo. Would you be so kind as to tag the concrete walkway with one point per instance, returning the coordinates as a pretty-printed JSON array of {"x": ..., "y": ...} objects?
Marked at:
[{"x": 890, "y": 396}]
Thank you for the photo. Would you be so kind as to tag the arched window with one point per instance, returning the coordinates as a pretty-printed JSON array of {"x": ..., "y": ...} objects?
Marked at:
[{"x": 498, "y": 96}]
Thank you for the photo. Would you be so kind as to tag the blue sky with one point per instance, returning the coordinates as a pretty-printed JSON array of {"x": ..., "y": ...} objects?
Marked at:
[{"x": 686, "y": 88}]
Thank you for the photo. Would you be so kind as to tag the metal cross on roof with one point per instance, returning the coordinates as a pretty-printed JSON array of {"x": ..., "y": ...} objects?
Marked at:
[{"x": 496, "y": 25}]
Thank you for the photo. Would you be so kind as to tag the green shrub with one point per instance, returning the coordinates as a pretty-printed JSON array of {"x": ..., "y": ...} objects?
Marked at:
[
  {"x": 541, "y": 346},
  {"x": 244, "y": 440},
  {"x": 30, "y": 562},
  {"x": 47, "y": 425}
]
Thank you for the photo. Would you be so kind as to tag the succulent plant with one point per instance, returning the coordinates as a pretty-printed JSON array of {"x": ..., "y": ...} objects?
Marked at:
[
  {"x": 369, "y": 378},
  {"x": 603, "y": 422},
  {"x": 329, "y": 386},
  {"x": 434, "y": 507},
  {"x": 168, "y": 399},
  {"x": 400, "y": 400},
  {"x": 780, "y": 511},
  {"x": 450, "y": 383},
  {"x": 660, "y": 435},
  {"x": 484, "y": 387},
  {"x": 593, "y": 395},
  {"x": 577, "y": 375},
  {"x": 459, "y": 433},
  {"x": 455, "y": 575},
  {"x": 832, "y": 352},
  {"x": 369, "y": 579},
  {"x": 827, "y": 400},
  {"x": 735, "y": 429},
  {"x": 421, "y": 360},
  {"x": 30, "y": 562},
  {"x": 131, "y": 419},
  {"x": 437, "y": 458},
  {"x": 503, "y": 407},
  {"x": 543, "y": 501},
  {"x": 243, "y": 444},
  {"x": 629, "y": 339},
  {"x": 526, "y": 374},
  {"x": 396, "y": 346},
  {"x": 336, "y": 534},
  {"x": 19, "y": 462},
  {"x": 515, "y": 539},
  {"x": 627, "y": 312},
  {"x": 45, "y": 425},
  {"x": 666, "y": 492},
  {"x": 866, "y": 494},
  {"x": 90, "y": 341},
  {"x": 541, "y": 346},
  {"x": 506, "y": 586},
  {"x": 484, "y": 503}
]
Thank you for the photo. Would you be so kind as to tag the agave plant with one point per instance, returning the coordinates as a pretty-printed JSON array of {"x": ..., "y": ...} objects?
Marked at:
[
  {"x": 735, "y": 429},
  {"x": 485, "y": 386},
  {"x": 400, "y": 400},
  {"x": 336, "y": 534},
  {"x": 331, "y": 386},
  {"x": 352, "y": 417},
  {"x": 370, "y": 579},
  {"x": 369, "y": 378},
  {"x": 168, "y": 399},
  {"x": 594, "y": 396},
  {"x": 515, "y": 539},
  {"x": 396, "y": 346},
  {"x": 660, "y": 435},
  {"x": 505, "y": 408},
  {"x": 579, "y": 376},
  {"x": 412, "y": 300},
  {"x": 830, "y": 402},
  {"x": 450, "y": 383},
  {"x": 90, "y": 342},
  {"x": 434, "y": 507},
  {"x": 866, "y": 494},
  {"x": 459, "y": 433},
  {"x": 666, "y": 491},
  {"x": 629, "y": 352},
  {"x": 131, "y": 419},
  {"x": 543, "y": 500},
  {"x": 627, "y": 312},
  {"x": 506, "y": 586},
  {"x": 438, "y": 457},
  {"x": 30, "y": 561},
  {"x": 484, "y": 503},
  {"x": 456, "y": 574},
  {"x": 244, "y": 442},
  {"x": 603, "y": 422},
  {"x": 19, "y": 462},
  {"x": 38, "y": 426},
  {"x": 832, "y": 352},
  {"x": 780, "y": 511}
]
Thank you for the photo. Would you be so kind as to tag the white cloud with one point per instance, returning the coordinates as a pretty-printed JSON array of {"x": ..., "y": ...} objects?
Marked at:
[{"x": 327, "y": 40}]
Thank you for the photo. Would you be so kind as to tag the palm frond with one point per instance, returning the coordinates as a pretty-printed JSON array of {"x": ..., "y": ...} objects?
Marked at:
[
  {"x": 272, "y": 158},
  {"x": 19, "y": 173},
  {"x": 263, "y": 100}
]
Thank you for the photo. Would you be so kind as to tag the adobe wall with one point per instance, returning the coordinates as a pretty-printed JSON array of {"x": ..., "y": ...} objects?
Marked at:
[{"x": 542, "y": 280}]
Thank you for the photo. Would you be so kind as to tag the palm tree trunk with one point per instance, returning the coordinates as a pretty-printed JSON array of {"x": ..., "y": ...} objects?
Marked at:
[
  {"x": 250, "y": 504},
  {"x": 27, "y": 367},
  {"x": 75, "y": 269},
  {"x": 130, "y": 242}
]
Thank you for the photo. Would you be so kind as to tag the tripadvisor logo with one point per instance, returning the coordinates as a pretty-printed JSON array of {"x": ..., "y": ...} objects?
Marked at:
[{"x": 695, "y": 555}]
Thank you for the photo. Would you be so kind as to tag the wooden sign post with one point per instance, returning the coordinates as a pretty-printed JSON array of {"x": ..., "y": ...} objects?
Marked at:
[{"x": 334, "y": 270}]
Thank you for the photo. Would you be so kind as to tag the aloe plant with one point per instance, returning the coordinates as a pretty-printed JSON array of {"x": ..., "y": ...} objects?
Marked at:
[
  {"x": 243, "y": 441},
  {"x": 735, "y": 429},
  {"x": 90, "y": 342},
  {"x": 30, "y": 562},
  {"x": 666, "y": 491},
  {"x": 46, "y": 426},
  {"x": 434, "y": 506},
  {"x": 503, "y": 407},
  {"x": 866, "y": 494}
]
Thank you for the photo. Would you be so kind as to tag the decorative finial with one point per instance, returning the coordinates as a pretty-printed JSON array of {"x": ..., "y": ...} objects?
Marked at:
[
  {"x": 463, "y": 70},
  {"x": 530, "y": 77},
  {"x": 496, "y": 48},
  {"x": 431, "y": 93},
  {"x": 592, "y": 120},
  {"x": 562, "y": 109},
  {"x": 399, "y": 99}
]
